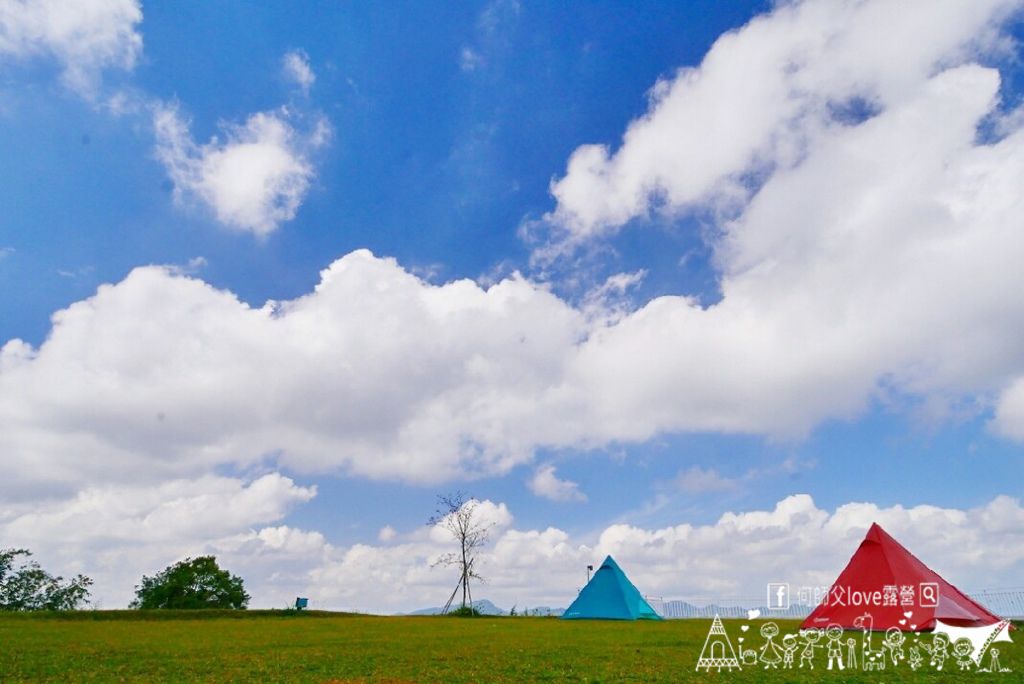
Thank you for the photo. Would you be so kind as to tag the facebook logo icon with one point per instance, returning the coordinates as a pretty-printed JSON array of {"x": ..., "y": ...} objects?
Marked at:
[{"x": 778, "y": 596}]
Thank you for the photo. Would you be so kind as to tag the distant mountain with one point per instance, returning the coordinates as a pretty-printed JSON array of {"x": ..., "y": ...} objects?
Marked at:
[
  {"x": 483, "y": 605},
  {"x": 488, "y": 608}
]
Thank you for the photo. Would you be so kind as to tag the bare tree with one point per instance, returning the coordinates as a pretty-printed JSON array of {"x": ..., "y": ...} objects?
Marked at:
[{"x": 460, "y": 516}]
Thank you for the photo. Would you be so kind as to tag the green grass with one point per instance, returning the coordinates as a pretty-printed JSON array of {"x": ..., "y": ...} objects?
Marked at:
[{"x": 283, "y": 646}]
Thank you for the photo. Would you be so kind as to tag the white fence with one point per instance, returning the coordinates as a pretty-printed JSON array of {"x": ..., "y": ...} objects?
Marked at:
[{"x": 1007, "y": 603}]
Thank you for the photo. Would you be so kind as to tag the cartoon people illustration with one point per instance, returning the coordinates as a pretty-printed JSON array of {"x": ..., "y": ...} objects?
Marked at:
[
  {"x": 962, "y": 649},
  {"x": 750, "y": 657},
  {"x": 811, "y": 636},
  {"x": 771, "y": 654},
  {"x": 994, "y": 665},
  {"x": 789, "y": 646},
  {"x": 939, "y": 650},
  {"x": 851, "y": 653},
  {"x": 834, "y": 634},
  {"x": 893, "y": 643},
  {"x": 915, "y": 658}
]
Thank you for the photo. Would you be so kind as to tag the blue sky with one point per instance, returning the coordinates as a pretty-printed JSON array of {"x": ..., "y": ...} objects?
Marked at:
[
  {"x": 793, "y": 276},
  {"x": 431, "y": 164}
]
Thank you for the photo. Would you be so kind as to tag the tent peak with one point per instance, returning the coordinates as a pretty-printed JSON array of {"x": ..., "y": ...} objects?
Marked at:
[{"x": 878, "y": 535}]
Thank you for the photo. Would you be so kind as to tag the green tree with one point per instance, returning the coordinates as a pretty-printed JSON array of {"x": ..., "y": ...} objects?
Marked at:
[
  {"x": 24, "y": 585},
  {"x": 191, "y": 583}
]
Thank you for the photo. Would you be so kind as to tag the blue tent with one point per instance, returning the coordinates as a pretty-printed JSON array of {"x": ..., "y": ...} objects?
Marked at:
[{"x": 609, "y": 595}]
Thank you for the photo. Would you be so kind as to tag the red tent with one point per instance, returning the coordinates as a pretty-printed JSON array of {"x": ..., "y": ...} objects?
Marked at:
[{"x": 887, "y": 583}]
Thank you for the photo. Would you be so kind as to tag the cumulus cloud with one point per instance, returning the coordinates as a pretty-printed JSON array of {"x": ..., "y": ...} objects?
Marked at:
[
  {"x": 375, "y": 373},
  {"x": 866, "y": 255},
  {"x": 863, "y": 232},
  {"x": 733, "y": 557},
  {"x": 117, "y": 532},
  {"x": 295, "y": 65},
  {"x": 547, "y": 484},
  {"x": 830, "y": 273},
  {"x": 83, "y": 37},
  {"x": 830, "y": 280},
  {"x": 761, "y": 97},
  {"x": 254, "y": 179}
]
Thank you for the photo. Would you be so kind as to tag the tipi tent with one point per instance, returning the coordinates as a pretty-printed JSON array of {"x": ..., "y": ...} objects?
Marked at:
[
  {"x": 887, "y": 583},
  {"x": 609, "y": 595}
]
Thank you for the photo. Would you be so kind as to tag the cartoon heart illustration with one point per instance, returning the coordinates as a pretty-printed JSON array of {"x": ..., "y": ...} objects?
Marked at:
[
  {"x": 908, "y": 614},
  {"x": 740, "y": 640},
  {"x": 753, "y": 614},
  {"x": 913, "y": 628},
  {"x": 744, "y": 628},
  {"x": 903, "y": 622}
]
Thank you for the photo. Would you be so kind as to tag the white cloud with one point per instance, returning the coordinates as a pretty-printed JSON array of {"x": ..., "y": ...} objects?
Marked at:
[
  {"x": 871, "y": 258},
  {"x": 830, "y": 281},
  {"x": 761, "y": 97},
  {"x": 194, "y": 265},
  {"x": 731, "y": 558},
  {"x": 497, "y": 16},
  {"x": 253, "y": 180},
  {"x": 697, "y": 480},
  {"x": 1009, "y": 415},
  {"x": 116, "y": 533},
  {"x": 84, "y": 37},
  {"x": 830, "y": 273},
  {"x": 494, "y": 24},
  {"x": 375, "y": 373},
  {"x": 875, "y": 260},
  {"x": 548, "y": 485},
  {"x": 470, "y": 59},
  {"x": 6, "y": 251},
  {"x": 378, "y": 374},
  {"x": 295, "y": 65},
  {"x": 486, "y": 514},
  {"x": 609, "y": 302}
]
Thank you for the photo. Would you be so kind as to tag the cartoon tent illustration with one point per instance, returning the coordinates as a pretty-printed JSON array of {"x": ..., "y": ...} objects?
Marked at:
[
  {"x": 609, "y": 595},
  {"x": 717, "y": 652},
  {"x": 897, "y": 589},
  {"x": 980, "y": 637}
]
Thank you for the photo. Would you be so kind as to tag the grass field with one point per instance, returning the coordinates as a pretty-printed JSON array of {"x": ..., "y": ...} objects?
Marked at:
[{"x": 264, "y": 646}]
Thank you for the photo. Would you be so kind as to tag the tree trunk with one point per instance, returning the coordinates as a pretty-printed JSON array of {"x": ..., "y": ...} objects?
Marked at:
[{"x": 465, "y": 574}]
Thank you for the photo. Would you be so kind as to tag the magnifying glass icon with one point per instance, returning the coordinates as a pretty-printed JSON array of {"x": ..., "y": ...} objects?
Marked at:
[{"x": 929, "y": 595}]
